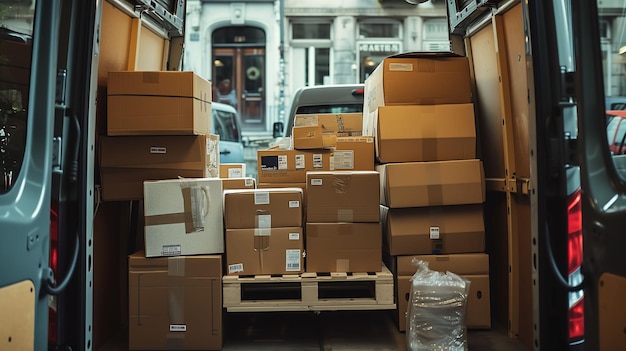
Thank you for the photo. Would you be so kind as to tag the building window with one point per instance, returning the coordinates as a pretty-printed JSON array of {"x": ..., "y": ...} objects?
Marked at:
[
  {"x": 377, "y": 40},
  {"x": 311, "y": 43},
  {"x": 371, "y": 29},
  {"x": 310, "y": 31},
  {"x": 436, "y": 35}
]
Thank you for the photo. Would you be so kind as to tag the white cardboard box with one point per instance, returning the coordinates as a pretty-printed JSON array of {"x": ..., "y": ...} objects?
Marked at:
[{"x": 183, "y": 217}]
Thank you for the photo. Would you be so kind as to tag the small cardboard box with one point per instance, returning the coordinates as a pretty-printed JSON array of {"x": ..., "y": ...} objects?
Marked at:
[
  {"x": 158, "y": 103},
  {"x": 263, "y": 208},
  {"x": 183, "y": 217},
  {"x": 127, "y": 161},
  {"x": 343, "y": 247},
  {"x": 290, "y": 166},
  {"x": 264, "y": 251},
  {"x": 444, "y": 78},
  {"x": 343, "y": 196},
  {"x": 232, "y": 170},
  {"x": 340, "y": 124},
  {"x": 436, "y": 183},
  {"x": 175, "y": 302},
  {"x": 412, "y": 133},
  {"x": 312, "y": 137},
  {"x": 354, "y": 153},
  {"x": 434, "y": 230},
  {"x": 238, "y": 183}
]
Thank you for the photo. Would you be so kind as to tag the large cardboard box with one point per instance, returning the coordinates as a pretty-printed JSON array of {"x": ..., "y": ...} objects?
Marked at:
[
  {"x": 417, "y": 184},
  {"x": 412, "y": 133},
  {"x": 265, "y": 251},
  {"x": 434, "y": 230},
  {"x": 238, "y": 183},
  {"x": 343, "y": 196},
  {"x": 312, "y": 137},
  {"x": 354, "y": 153},
  {"x": 290, "y": 166},
  {"x": 127, "y": 161},
  {"x": 232, "y": 170},
  {"x": 263, "y": 208},
  {"x": 183, "y": 217},
  {"x": 175, "y": 303},
  {"x": 418, "y": 79},
  {"x": 158, "y": 103},
  {"x": 340, "y": 124},
  {"x": 343, "y": 247},
  {"x": 474, "y": 267}
]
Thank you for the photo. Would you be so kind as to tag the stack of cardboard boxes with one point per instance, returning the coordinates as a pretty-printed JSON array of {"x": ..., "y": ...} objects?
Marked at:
[{"x": 419, "y": 109}]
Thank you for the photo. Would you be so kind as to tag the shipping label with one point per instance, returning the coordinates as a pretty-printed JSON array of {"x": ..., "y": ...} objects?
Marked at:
[{"x": 292, "y": 260}]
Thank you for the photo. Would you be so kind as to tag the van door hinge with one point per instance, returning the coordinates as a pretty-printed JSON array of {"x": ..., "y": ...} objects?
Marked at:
[{"x": 567, "y": 85}]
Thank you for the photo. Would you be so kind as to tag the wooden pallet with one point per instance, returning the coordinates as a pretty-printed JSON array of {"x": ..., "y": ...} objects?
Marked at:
[{"x": 309, "y": 292}]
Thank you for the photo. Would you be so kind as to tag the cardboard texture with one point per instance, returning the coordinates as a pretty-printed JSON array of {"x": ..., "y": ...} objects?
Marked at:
[
  {"x": 127, "y": 161},
  {"x": 290, "y": 166},
  {"x": 183, "y": 217},
  {"x": 343, "y": 196},
  {"x": 158, "y": 103},
  {"x": 175, "y": 303},
  {"x": 443, "y": 79},
  {"x": 340, "y": 124},
  {"x": 343, "y": 247},
  {"x": 263, "y": 208},
  {"x": 461, "y": 264},
  {"x": 232, "y": 170},
  {"x": 354, "y": 153},
  {"x": 312, "y": 137},
  {"x": 238, "y": 183},
  {"x": 412, "y": 133},
  {"x": 417, "y": 184},
  {"x": 271, "y": 251},
  {"x": 434, "y": 230}
]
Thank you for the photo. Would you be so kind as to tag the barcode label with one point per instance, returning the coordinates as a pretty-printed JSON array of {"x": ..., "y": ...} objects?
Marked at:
[
  {"x": 344, "y": 159},
  {"x": 316, "y": 181},
  {"x": 249, "y": 182},
  {"x": 292, "y": 260},
  {"x": 178, "y": 328},
  {"x": 235, "y": 173},
  {"x": 294, "y": 204},
  {"x": 406, "y": 67},
  {"x": 300, "y": 162},
  {"x": 171, "y": 250},
  {"x": 318, "y": 161},
  {"x": 235, "y": 268},
  {"x": 261, "y": 198},
  {"x": 282, "y": 162},
  {"x": 434, "y": 233},
  {"x": 158, "y": 150},
  {"x": 264, "y": 221},
  {"x": 294, "y": 236}
]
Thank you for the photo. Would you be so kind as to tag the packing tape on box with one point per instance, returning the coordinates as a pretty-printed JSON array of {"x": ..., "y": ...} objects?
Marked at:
[
  {"x": 175, "y": 341},
  {"x": 195, "y": 205},
  {"x": 434, "y": 188},
  {"x": 342, "y": 265},
  {"x": 345, "y": 215},
  {"x": 176, "y": 302}
]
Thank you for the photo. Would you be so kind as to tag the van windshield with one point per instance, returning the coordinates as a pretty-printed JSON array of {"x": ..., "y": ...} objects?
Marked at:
[{"x": 347, "y": 108}]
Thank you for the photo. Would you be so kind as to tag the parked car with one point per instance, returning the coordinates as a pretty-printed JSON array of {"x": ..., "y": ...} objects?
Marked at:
[
  {"x": 227, "y": 125},
  {"x": 616, "y": 131}
]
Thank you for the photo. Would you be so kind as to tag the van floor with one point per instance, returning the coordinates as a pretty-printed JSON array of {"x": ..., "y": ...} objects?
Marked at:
[{"x": 326, "y": 331}]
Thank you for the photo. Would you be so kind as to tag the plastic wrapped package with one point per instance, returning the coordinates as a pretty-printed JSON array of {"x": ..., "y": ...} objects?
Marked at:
[{"x": 436, "y": 310}]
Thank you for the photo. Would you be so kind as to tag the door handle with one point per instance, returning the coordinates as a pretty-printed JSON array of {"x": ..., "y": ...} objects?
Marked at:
[{"x": 225, "y": 152}]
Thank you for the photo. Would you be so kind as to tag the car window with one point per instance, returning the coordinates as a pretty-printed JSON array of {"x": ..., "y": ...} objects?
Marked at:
[
  {"x": 226, "y": 125},
  {"x": 330, "y": 109},
  {"x": 16, "y": 26}
]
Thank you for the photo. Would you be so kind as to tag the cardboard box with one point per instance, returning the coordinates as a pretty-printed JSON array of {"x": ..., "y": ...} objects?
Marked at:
[
  {"x": 263, "y": 208},
  {"x": 290, "y": 166},
  {"x": 418, "y": 79},
  {"x": 417, "y": 184},
  {"x": 340, "y": 124},
  {"x": 175, "y": 303},
  {"x": 312, "y": 137},
  {"x": 183, "y": 217},
  {"x": 343, "y": 247},
  {"x": 158, "y": 103},
  {"x": 343, "y": 196},
  {"x": 474, "y": 267},
  {"x": 287, "y": 185},
  {"x": 264, "y": 251},
  {"x": 412, "y": 133},
  {"x": 354, "y": 153},
  {"x": 434, "y": 230},
  {"x": 232, "y": 170},
  {"x": 238, "y": 183},
  {"x": 127, "y": 161}
]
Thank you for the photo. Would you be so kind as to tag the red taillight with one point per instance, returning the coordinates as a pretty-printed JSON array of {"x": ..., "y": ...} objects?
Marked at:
[
  {"x": 575, "y": 233},
  {"x": 577, "y": 320},
  {"x": 54, "y": 261},
  {"x": 358, "y": 91}
]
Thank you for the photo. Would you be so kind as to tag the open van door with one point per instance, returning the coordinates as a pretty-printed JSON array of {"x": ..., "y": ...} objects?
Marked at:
[{"x": 48, "y": 58}]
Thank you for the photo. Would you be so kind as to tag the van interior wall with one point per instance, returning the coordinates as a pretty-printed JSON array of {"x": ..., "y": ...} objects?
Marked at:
[
  {"x": 499, "y": 68},
  {"x": 123, "y": 46}
]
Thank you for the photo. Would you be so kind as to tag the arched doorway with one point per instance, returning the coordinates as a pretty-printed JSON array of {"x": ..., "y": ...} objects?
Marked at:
[{"x": 239, "y": 73}]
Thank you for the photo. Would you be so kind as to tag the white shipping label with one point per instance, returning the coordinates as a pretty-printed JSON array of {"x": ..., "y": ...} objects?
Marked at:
[
  {"x": 306, "y": 120},
  {"x": 331, "y": 159},
  {"x": 434, "y": 233},
  {"x": 158, "y": 150},
  {"x": 406, "y": 67},
  {"x": 171, "y": 250},
  {"x": 262, "y": 198},
  {"x": 292, "y": 260},
  {"x": 294, "y": 236},
  {"x": 235, "y": 173},
  {"x": 264, "y": 221},
  {"x": 282, "y": 162},
  {"x": 235, "y": 268},
  {"x": 294, "y": 204},
  {"x": 317, "y": 181},
  {"x": 178, "y": 327},
  {"x": 300, "y": 162},
  {"x": 249, "y": 182},
  {"x": 318, "y": 161},
  {"x": 344, "y": 159}
]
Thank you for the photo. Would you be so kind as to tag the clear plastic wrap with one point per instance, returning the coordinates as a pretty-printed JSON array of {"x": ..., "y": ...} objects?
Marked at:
[{"x": 436, "y": 310}]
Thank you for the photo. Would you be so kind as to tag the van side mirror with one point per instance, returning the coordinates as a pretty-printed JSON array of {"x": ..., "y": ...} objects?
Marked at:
[{"x": 278, "y": 129}]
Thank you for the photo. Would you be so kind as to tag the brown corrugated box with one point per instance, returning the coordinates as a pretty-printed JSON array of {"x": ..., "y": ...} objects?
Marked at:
[
  {"x": 343, "y": 247},
  {"x": 183, "y": 217},
  {"x": 175, "y": 303},
  {"x": 264, "y": 251},
  {"x": 340, "y": 124},
  {"x": 435, "y": 229},
  {"x": 232, "y": 170},
  {"x": 417, "y": 184},
  {"x": 412, "y": 133},
  {"x": 443, "y": 79},
  {"x": 343, "y": 196},
  {"x": 127, "y": 161},
  {"x": 238, "y": 183},
  {"x": 158, "y": 103},
  {"x": 290, "y": 166},
  {"x": 312, "y": 137},
  {"x": 263, "y": 208},
  {"x": 474, "y": 267},
  {"x": 354, "y": 153}
]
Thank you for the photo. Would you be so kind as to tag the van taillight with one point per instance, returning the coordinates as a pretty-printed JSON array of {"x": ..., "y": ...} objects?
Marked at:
[
  {"x": 358, "y": 91},
  {"x": 575, "y": 233},
  {"x": 577, "y": 320},
  {"x": 54, "y": 261}
]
